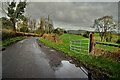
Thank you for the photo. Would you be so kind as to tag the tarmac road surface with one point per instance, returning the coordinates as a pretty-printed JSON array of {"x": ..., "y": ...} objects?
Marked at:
[{"x": 26, "y": 59}]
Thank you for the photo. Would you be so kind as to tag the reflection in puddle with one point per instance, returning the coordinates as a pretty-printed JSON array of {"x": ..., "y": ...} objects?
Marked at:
[
  {"x": 68, "y": 70},
  {"x": 62, "y": 65},
  {"x": 52, "y": 50},
  {"x": 22, "y": 41},
  {"x": 46, "y": 47}
]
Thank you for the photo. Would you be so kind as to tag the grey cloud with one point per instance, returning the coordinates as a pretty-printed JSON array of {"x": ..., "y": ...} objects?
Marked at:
[{"x": 74, "y": 13}]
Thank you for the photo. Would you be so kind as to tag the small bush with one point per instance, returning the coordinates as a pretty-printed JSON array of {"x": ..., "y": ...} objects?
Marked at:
[
  {"x": 56, "y": 31},
  {"x": 65, "y": 31},
  {"x": 52, "y": 37},
  {"x": 86, "y": 34},
  {"x": 118, "y": 41},
  {"x": 24, "y": 29},
  {"x": 6, "y": 35}
]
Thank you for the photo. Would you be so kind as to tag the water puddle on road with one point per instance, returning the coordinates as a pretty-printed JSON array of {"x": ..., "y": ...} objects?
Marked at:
[
  {"x": 52, "y": 50},
  {"x": 63, "y": 66},
  {"x": 46, "y": 47},
  {"x": 68, "y": 70},
  {"x": 22, "y": 41}
]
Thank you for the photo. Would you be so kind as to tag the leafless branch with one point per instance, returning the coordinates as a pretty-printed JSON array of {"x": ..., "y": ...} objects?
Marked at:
[{"x": 4, "y": 7}]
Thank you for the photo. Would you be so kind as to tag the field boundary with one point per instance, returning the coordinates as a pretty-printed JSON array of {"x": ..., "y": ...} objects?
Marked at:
[{"x": 106, "y": 44}]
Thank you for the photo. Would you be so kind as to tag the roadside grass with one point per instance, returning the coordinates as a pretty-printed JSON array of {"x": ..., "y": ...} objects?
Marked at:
[
  {"x": 6, "y": 42},
  {"x": 96, "y": 38},
  {"x": 107, "y": 66},
  {"x": 108, "y": 42},
  {"x": 105, "y": 47}
]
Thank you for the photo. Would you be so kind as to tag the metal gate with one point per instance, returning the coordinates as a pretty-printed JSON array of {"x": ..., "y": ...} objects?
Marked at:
[{"x": 80, "y": 46}]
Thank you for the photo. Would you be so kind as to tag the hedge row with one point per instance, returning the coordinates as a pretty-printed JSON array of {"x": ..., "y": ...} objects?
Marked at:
[{"x": 8, "y": 35}]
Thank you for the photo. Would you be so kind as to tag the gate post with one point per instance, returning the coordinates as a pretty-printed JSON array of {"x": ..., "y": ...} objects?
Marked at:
[
  {"x": 89, "y": 75},
  {"x": 91, "y": 43}
]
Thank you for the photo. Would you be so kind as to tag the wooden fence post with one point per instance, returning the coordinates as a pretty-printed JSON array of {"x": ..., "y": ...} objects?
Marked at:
[
  {"x": 91, "y": 43},
  {"x": 89, "y": 75}
]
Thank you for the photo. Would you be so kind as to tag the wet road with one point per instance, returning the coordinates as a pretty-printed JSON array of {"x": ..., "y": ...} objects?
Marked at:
[{"x": 26, "y": 59}]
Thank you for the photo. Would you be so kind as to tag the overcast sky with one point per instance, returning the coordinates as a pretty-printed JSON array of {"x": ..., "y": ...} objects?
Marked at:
[{"x": 72, "y": 15}]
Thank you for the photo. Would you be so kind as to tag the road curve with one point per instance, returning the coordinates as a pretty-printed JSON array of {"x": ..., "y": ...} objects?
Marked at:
[{"x": 26, "y": 59}]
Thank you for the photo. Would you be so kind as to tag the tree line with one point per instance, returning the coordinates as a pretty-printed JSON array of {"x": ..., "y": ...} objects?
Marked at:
[
  {"x": 17, "y": 21},
  {"x": 15, "y": 17}
]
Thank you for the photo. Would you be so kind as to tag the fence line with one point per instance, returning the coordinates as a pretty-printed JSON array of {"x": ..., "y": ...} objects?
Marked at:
[{"x": 107, "y": 44}]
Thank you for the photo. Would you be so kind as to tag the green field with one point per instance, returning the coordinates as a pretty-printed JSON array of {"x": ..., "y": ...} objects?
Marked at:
[
  {"x": 75, "y": 40},
  {"x": 110, "y": 68},
  {"x": 105, "y": 47}
]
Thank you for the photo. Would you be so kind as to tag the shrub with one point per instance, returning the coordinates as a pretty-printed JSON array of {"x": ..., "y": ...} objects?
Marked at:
[
  {"x": 19, "y": 34},
  {"x": 56, "y": 31},
  {"x": 86, "y": 34},
  {"x": 52, "y": 37},
  {"x": 24, "y": 29},
  {"x": 65, "y": 31},
  {"x": 110, "y": 35},
  {"x": 6, "y": 34},
  {"x": 118, "y": 41}
]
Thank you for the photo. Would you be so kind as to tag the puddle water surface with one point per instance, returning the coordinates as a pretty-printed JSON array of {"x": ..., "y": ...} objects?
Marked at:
[
  {"x": 68, "y": 70},
  {"x": 52, "y": 50},
  {"x": 62, "y": 65},
  {"x": 22, "y": 41}
]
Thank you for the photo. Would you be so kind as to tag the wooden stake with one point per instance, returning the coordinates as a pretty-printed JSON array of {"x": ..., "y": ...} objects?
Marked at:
[{"x": 91, "y": 43}]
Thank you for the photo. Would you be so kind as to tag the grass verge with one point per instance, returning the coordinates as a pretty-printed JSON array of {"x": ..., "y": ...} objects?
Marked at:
[
  {"x": 7, "y": 42},
  {"x": 98, "y": 65}
]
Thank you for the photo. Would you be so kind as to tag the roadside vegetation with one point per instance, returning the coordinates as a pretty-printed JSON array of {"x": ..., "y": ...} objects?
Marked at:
[
  {"x": 104, "y": 60},
  {"x": 7, "y": 42},
  {"x": 18, "y": 26},
  {"x": 109, "y": 69},
  {"x": 13, "y": 40}
]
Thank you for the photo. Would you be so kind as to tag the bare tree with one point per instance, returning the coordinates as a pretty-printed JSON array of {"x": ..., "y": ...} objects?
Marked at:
[
  {"x": 34, "y": 23},
  {"x": 41, "y": 29},
  {"x": 30, "y": 25},
  {"x": 103, "y": 25}
]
